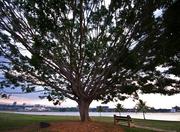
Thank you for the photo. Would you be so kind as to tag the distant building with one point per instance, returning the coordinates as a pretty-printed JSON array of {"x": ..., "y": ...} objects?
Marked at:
[
  {"x": 176, "y": 108},
  {"x": 173, "y": 110}
]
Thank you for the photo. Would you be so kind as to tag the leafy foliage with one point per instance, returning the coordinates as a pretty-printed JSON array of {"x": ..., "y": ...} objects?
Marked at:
[
  {"x": 100, "y": 109},
  {"x": 119, "y": 108},
  {"x": 141, "y": 106}
]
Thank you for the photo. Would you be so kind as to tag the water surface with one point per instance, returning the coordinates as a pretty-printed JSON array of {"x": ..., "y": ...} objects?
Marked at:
[{"x": 153, "y": 116}]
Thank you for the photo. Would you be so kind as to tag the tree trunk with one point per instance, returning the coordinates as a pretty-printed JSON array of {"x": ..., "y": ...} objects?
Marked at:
[
  {"x": 84, "y": 110},
  {"x": 144, "y": 115}
]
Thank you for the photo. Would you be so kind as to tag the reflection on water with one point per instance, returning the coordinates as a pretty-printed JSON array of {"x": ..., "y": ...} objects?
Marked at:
[{"x": 153, "y": 116}]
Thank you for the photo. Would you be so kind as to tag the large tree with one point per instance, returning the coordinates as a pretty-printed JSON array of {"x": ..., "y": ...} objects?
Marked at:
[{"x": 87, "y": 50}]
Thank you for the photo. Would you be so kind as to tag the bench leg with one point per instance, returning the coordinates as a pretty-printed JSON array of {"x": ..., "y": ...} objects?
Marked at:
[
  {"x": 129, "y": 124},
  {"x": 115, "y": 122}
]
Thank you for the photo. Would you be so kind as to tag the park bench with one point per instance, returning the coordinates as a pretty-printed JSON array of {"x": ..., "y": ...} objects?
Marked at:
[{"x": 123, "y": 118}]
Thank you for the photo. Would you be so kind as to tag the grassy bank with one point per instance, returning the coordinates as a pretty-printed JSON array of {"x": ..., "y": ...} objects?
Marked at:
[{"x": 12, "y": 121}]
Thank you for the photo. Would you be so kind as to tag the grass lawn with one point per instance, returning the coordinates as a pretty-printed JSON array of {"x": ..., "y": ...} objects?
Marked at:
[
  {"x": 166, "y": 125},
  {"x": 11, "y": 121}
]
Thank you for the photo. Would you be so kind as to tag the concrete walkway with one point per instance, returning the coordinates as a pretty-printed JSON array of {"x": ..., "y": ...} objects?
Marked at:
[
  {"x": 148, "y": 128},
  {"x": 153, "y": 129}
]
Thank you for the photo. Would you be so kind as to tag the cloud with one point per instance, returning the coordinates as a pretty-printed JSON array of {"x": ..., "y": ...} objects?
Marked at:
[{"x": 19, "y": 100}]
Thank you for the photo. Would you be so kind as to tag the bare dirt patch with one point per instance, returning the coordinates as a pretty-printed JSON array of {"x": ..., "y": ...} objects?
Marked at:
[
  {"x": 84, "y": 127},
  {"x": 74, "y": 126}
]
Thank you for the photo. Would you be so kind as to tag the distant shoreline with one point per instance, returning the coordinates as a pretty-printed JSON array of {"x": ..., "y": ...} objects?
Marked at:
[{"x": 151, "y": 116}]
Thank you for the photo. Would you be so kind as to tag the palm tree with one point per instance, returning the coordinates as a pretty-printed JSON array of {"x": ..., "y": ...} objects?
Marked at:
[
  {"x": 100, "y": 109},
  {"x": 141, "y": 106},
  {"x": 119, "y": 108}
]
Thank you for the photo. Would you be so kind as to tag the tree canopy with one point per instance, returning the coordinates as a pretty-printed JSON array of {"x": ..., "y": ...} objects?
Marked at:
[{"x": 88, "y": 49}]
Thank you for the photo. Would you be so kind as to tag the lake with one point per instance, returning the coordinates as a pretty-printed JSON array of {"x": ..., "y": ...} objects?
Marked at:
[{"x": 153, "y": 116}]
